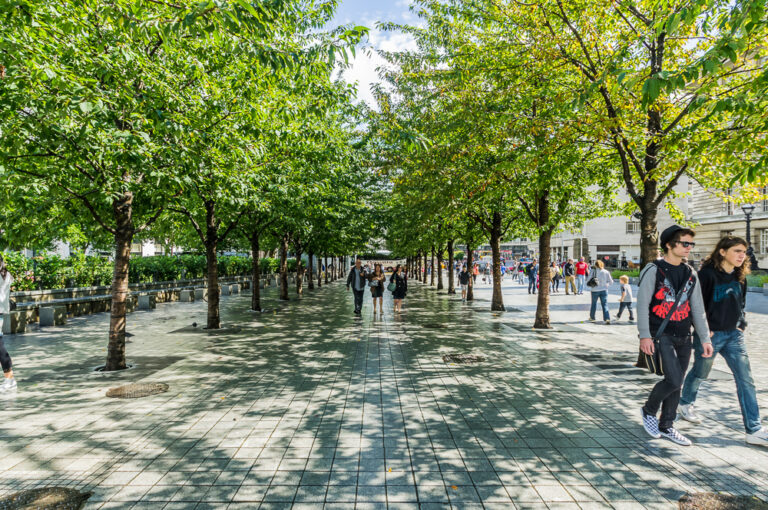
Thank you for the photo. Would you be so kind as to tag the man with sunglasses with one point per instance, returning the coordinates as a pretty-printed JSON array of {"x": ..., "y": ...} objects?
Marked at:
[{"x": 669, "y": 290}]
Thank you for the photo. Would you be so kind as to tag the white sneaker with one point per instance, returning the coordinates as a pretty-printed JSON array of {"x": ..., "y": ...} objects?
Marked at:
[
  {"x": 8, "y": 385},
  {"x": 688, "y": 413},
  {"x": 651, "y": 425},
  {"x": 759, "y": 438},
  {"x": 676, "y": 437}
]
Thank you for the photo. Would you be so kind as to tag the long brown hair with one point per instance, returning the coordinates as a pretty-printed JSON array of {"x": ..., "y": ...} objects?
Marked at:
[{"x": 715, "y": 259}]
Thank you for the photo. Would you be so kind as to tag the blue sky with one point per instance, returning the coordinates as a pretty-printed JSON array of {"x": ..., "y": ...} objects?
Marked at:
[{"x": 367, "y": 13}]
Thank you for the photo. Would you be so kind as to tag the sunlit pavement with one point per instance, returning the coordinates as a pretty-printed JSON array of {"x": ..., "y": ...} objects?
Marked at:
[{"x": 305, "y": 406}]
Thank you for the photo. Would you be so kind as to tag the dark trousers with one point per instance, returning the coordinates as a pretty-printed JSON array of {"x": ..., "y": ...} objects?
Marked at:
[
  {"x": 358, "y": 299},
  {"x": 532, "y": 284},
  {"x": 675, "y": 354},
  {"x": 5, "y": 358},
  {"x": 628, "y": 306}
]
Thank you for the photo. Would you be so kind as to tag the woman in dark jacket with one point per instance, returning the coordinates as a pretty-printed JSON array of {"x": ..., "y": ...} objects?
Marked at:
[{"x": 401, "y": 287}]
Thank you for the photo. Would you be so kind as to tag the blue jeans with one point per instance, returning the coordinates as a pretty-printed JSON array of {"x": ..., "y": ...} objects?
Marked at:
[
  {"x": 729, "y": 344},
  {"x": 532, "y": 284},
  {"x": 603, "y": 296},
  {"x": 580, "y": 283}
]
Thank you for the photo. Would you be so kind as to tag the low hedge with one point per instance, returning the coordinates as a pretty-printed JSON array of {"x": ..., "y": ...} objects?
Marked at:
[{"x": 78, "y": 270}]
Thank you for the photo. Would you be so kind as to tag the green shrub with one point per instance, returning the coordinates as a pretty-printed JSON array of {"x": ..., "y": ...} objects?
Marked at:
[
  {"x": 291, "y": 265},
  {"x": 54, "y": 272},
  {"x": 616, "y": 273},
  {"x": 268, "y": 265}
]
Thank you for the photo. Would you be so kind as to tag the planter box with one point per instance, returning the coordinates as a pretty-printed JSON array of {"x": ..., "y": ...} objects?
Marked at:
[
  {"x": 14, "y": 322},
  {"x": 765, "y": 289}
]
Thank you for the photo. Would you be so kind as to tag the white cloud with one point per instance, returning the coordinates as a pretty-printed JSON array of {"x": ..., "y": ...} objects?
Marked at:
[{"x": 362, "y": 70}]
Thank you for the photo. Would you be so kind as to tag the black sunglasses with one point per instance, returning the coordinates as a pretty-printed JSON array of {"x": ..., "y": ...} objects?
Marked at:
[{"x": 686, "y": 244}]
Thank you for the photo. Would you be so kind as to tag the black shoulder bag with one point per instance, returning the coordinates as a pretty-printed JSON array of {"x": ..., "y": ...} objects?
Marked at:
[{"x": 653, "y": 361}]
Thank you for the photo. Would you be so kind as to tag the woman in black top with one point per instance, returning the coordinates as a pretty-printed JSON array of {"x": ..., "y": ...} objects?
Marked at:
[
  {"x": 376, "y": 282},
  {"x": 724, "y": 290},
  {"x": 401, "y": 287}
]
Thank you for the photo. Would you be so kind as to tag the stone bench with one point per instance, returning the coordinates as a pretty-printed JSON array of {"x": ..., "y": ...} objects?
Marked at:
[
  {"x": 14, "y": 322},
  {"x": 55, "y": 315}
]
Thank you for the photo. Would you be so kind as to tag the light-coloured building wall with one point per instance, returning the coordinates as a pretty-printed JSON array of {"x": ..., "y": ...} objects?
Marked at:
[{"x": 714, "y": 219}]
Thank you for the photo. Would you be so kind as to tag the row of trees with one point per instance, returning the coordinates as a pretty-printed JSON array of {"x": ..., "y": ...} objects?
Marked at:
[
  {"x": 522, "y": 119},
  {"x": 207, "y": 125}
]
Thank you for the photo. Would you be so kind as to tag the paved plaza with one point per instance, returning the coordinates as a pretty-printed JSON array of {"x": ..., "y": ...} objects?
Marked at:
[{"x": 304, "y": 406}]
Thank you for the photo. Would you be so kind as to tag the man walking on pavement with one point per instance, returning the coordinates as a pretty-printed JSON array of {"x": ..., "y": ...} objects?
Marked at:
[
  {"x": 533, "y": 270},
  {"x": 569, "y": 271},
  {"x": 358, "y": 281},
  {"x": 669, "y": 301}
]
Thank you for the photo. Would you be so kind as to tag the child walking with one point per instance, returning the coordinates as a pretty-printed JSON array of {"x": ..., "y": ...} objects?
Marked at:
[{"x": 626, "y": 298}]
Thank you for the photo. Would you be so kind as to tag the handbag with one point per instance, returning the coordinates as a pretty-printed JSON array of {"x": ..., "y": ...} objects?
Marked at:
[
  {"x": 392, "y": 286},
  {"x": 653, "y": 361},
  {"x": 592, "y": 282}
]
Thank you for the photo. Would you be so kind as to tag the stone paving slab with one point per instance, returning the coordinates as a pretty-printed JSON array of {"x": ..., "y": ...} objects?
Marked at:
[{"x": 308, "y": 407}]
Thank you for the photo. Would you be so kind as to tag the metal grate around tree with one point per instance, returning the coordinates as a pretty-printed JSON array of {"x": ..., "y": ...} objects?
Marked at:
[
  {"x": 50, "y": 498},
  {"x": 137, "y": 390},
  {"x": 463, "y": 359},
  {"x": 715, "y": 501}
]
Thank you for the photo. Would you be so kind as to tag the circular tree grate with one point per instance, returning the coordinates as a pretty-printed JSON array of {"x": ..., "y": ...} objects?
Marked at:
[
  {"x": 137, "y": 390},
  {"x": 434, "y": 325},
  {"x": 50, "y": 498},
  {"x": 463, "y": 359},
  {"x": 714, "y": 501}
]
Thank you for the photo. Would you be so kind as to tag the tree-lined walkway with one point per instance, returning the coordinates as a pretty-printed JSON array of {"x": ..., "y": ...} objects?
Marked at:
[{"x": 306, "y": 405}]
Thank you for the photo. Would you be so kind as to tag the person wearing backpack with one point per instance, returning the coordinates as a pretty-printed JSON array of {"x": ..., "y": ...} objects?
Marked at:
[
  {"x": 532, "y": 271},
  {"x": 724, "y": 289},
  {"x": 669, "y": 302}
]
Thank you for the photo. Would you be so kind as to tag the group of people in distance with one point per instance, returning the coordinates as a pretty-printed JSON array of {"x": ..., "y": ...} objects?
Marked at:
[
  {"x": 360, "y": 277},
  {"x": 672, "y": 298}
]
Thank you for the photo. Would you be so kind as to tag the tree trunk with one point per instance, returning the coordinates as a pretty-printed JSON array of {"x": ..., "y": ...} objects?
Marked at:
[
  {"x": 425, "y": 267},
  {"x": 439, "y": 268},
  {"x": 284, "y": 268},
  {"x": 310, "y": 280},
  {"x": 326, "y": 270},
  {"x": 319, "y": 273},
  {"x": 123, "y": 213},
  {"x": 299, "y": 273},
  {"x": 470, "y": 287},
  {"x": 649, "y": 236},
  {"x": 449, "y": 267},
  {"x": 545, "y": 277},
  {"x": 497, "y": 301},
  {"x": 256, "y": 273},
  {"x": 432, "y": 268},
  {"x": 211, "y": 259}
]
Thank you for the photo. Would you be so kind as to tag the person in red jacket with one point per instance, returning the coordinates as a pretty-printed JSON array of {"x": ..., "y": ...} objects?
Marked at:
[{"x": 582, "y": 268}]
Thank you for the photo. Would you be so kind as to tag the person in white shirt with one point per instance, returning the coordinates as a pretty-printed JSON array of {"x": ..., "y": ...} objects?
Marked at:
[
  {"x": 6, "y": 279},
  {"x": 626, "y": 298}
]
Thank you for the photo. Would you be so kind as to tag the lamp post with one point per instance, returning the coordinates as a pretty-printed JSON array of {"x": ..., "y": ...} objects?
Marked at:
[{"x": 748, "y": 209}]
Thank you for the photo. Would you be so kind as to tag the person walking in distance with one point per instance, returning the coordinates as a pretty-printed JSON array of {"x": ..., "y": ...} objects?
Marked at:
[
  {"x": 376, "y": 281},
  {"x": 569, "y": 272},
  {"x": 357, "y": 280},
  {"x": 724, "y": 290},
  {"x": 599, "y": 291},
  {"x": 533, "y": 272},
  {"x": 625, "y": 301},
  {"x": 582, "y": 268},
  {"x": 6, "y": 279},
  {"x": 401, "y": 287},
  {"x": 555, "y": 276},
  {"x": 669, "y": 301},
  {"x": 464, "y": 277}
]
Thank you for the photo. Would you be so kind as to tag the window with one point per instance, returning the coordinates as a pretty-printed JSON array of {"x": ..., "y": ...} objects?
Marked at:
[
  {"x": 763, "y": 236},
  {"x": 136, "y": 248},
  {"x": 633, "y": 227},
  {"x": 765, "y": 202},
  {"x": 728, "y": 205},
  {"x": 724, "y": 233}
]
